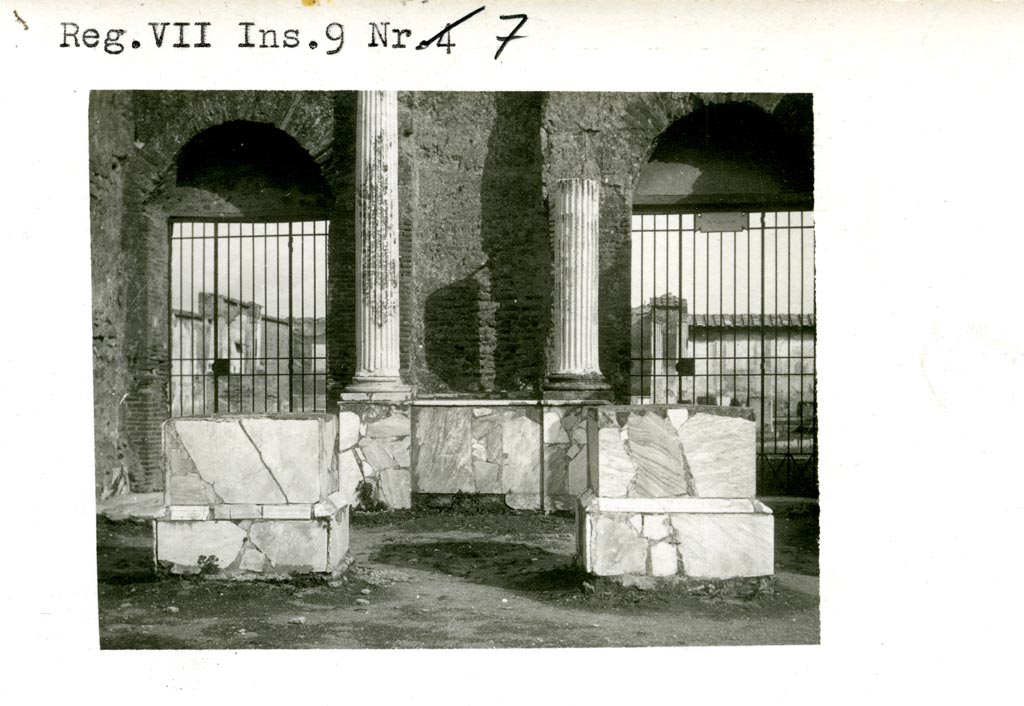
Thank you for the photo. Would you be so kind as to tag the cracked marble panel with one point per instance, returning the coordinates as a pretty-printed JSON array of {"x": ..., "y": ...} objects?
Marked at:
[
  {"x": 721, "y": 453},
  {"x": 376, "y": 453},
  {"x": 225, "y": 457},
  {"x": 395, "y": 425},
  {"x": 292, "y": 451},
  {"x": 349, "y": 477},
  {"x": 394, "y": 488},
  {"x": 616, "y": 547},
  {"x": 656, "y": 454},
  {"x": 338, "y": 540},
  {"x": 348, "y": 429},
  {"x": 182, "y": 543},
  {"x": 614, "y": 470},
  {"x": 292, "y": 545}
]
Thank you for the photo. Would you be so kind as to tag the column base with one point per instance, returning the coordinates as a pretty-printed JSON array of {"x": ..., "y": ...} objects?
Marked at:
[
  {"x": 567, "y": 386},
  {"x": 390, "y": 389}
]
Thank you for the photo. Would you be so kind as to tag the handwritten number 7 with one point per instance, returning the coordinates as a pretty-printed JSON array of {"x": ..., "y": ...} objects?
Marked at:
[{"x": 511, "y": 35}]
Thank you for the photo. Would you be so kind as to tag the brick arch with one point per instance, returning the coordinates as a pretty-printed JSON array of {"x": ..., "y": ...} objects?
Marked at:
[
  {"x": 174, "y": 119},
  {"x": 662, "y": 110},
  {"x": 165, "y": 122}
]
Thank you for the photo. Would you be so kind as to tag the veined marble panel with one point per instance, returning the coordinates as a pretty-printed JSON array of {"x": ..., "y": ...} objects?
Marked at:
[
  {"x": 656, "y": 454},
  {"x": 725, "y": 546},
  {"x": 721, "y": 453},
  {"x": 444, "y": 462},
  {"x": 520, "y": 472}
]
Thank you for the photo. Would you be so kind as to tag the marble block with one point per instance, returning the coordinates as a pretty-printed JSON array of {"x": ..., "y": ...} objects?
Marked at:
[
  {"x": 670, "y": 451},
  {"x": 692, "y": 538},
  {"x": 250, "y": 460},
  {"x": 270, "y": 547}
]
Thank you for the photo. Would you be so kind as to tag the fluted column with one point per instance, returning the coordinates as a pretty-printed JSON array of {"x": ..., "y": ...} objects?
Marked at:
[
  {"x": 376, "y": 171},
  {"x": 575, "y": 367}
]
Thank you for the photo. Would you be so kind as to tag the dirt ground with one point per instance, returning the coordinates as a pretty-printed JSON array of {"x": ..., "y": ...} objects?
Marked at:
[{"x": 443, "y": 580}]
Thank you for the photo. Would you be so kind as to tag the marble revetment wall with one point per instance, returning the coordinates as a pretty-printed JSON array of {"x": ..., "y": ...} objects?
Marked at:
[{"x": 533, "y": 454}]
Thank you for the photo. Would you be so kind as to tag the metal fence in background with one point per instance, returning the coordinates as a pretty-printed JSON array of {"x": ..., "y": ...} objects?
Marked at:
[
  {"x": 248, "y": 316},
  {"x": 723, "y": 314}
]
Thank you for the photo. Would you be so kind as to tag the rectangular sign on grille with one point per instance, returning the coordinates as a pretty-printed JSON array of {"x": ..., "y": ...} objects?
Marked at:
[{"x": 721, "y": 222}]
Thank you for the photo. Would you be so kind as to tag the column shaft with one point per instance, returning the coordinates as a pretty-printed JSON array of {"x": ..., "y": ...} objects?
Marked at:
[
  {"x": 376, "y": 231},
  {"x": 575, "y": 365}
]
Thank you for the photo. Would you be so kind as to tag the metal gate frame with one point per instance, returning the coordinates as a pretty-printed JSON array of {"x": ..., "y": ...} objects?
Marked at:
[
  {"x": 781, "y": 468},
  {"x": 217, "y": 372}
]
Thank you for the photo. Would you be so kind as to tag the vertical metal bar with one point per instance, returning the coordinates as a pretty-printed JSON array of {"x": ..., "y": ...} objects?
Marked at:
[
  {"x": 291, "y": 324},
  {"x": 721, "y": 317},
  {"x": 750, "y": 314},
  {"x": 681, "y": 316},
  {"x": 216, "y": 327},
  {"x": 665, "y": 332},
  {"x": 775, "y": 337},
  {"x": 228, "y": 302},
  {"x": 735, "y": 276},
  {"x": 763, "y": 440},
  {"x": 707, "y": 312},
  {"x": 192, "y": 325},
  {"x": 181, "y": 285},
  {"x": 170, "y": 316},
  {"x": 202, "y": 313},
  {"x": 253, "y": 308},
  {"x": 266, "y": 300},
  {"x": 643, "y": 364},
  {"x": 314, "y": 351},
  {"x": 302, "y": 306},
  {"x": 693, "y": 295}
]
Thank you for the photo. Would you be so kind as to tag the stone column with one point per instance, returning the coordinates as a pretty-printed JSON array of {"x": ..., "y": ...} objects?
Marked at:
[
  {"x": 575, "y": 372},
  {"x": 377, "y": 332}
]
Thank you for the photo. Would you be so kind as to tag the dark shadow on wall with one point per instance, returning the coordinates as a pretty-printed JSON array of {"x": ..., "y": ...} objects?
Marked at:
[
  {"x": 341, "y": 247},
  {"x": 452, "y": 334},
  {"x": 514, "y": 236}
]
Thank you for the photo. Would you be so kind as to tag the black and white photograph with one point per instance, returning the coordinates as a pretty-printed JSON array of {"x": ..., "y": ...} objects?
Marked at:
[
  {"x": 477, "y": 369},
  {"x": 429, "y": 351}
]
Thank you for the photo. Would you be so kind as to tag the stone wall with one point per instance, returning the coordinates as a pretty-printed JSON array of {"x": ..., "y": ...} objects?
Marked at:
[
  {"x": 682, "y": 538},
  {"x": 110, "y": 148},
  {"x": 374, "y": 446}
]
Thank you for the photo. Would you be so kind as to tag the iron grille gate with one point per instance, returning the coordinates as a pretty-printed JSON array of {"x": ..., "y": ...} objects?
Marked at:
[
  {"x": 723, "y": 313},
  {"x": 247, "y": 322}
]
